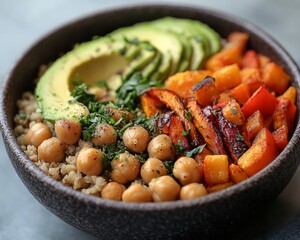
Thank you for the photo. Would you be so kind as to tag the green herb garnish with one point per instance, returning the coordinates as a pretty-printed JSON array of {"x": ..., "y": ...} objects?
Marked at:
[
  {"x": 80, "y": 94},
  {"x": 188, "y": 115},
  {"x": 195, "y": 151}
]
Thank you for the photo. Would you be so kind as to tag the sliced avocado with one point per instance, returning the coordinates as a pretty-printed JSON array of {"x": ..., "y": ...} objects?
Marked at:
[
  {"x": 101, "y": 58},
  {"x": 162, "y": 73},
  {"x": 204, "y": 35},
  {"x": 198, "y": 56},
  {"x": 146, "y": 56},
  {"x": 212, "y": 36},
  {"x": 167, "y": 43},
  {"x": 186, "y": 29},
  {"x": 187, "y": 53},
  {"x": 153, "y": 66}
]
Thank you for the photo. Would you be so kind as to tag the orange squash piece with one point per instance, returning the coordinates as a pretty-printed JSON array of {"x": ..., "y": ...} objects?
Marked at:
[
  {"x": 216, "y": 169},
  {"x": 182, "y": 82},
  {"x": 224, "y": 58},
  {"x": 275, "y": 77},
  {"x": 205, "y": 92},
  {"x": 262, "y": 152},
  {"x": 240, "y": 93},
  {"x": 232, "y": 53},
  {"x": 238, "y": 40},
  {"x": 236, "y": 174},
  {"x": 227, "y": 77},
  {"x": 263, "y": 60},
  {"x": 233, "y": 113},
  {"x": 251, "y": 77}
]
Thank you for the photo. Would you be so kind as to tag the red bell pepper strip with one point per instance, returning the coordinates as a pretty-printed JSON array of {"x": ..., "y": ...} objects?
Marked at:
[{"x": 261, "y": 100}]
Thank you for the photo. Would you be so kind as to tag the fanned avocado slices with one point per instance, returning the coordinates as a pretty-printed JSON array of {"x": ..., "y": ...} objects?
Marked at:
[{"x": 156, "y": 49}]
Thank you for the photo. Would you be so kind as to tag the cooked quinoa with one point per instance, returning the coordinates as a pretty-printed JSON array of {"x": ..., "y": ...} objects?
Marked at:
[{"x": 65, "y": 171}]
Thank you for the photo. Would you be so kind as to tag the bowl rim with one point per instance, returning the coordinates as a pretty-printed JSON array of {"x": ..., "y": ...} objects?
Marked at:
[{"x": 12, "y": 145}]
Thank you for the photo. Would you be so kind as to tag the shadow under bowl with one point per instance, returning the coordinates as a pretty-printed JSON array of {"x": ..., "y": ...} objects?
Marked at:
[{"x": 115, "y": 220}]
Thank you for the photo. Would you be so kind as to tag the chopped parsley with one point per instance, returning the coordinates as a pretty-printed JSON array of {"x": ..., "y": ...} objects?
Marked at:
[
  {"x": 23, "y": 116},
  {"x": 239, "y": 137},
  {"x": 102, "y": 84},
  {"x": 186, "y": 133},
  {"x": 134, "y": 86},
  {"x": 80, "y": 94},
  {"x": 179, "y": 148},
  {"x": 234, "y": 111},
  {"x": 188, "y": 115},
  {"x": 169, "y": 164},
  {"x": 195, "y": 151}
]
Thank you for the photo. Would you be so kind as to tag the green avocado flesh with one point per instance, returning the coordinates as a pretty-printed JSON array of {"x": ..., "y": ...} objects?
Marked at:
[{"x": 157, "y": 49}]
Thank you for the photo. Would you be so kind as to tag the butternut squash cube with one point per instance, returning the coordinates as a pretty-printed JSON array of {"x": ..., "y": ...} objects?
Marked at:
[
  {"x": 216, "y": 169},
  {"x": 236, "y": 174},
  {"x": 275, "y": 77},
  {"x": 206, "y": 92},
  {"x": 227, "y": 77}
]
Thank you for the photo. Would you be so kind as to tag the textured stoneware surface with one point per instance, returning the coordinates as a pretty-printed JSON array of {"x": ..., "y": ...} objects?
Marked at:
[{"x": 116, "y": 220}]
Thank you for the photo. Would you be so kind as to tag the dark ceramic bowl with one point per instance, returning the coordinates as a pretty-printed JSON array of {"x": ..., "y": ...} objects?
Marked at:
[{"x": 114, "y": 220}]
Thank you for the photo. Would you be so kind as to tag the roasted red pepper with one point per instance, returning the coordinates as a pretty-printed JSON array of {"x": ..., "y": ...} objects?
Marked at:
[{"x": 261, "y": 100}]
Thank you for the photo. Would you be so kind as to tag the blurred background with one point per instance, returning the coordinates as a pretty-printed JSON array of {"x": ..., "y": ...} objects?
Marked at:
[{"x": 23, "y": 22}]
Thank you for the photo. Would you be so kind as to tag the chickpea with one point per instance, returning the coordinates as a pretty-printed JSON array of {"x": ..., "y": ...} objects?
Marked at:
[
  {"x": 136, "y": 139},
  {"x": 137, "y": 193},
  {"x": 161, "y": 147},
  {"x": 99, "y": 92},
  {"x": 52, "y": 150},
  {"x": 152, "y": 168},
  {"x": 186, "y": 170},
  {"x": 124, "y": 169},
  {"x": 192, "y": 190},
  {"x": 37, "y": 134},
  {"x": 104, "y": 134},
  {"x": 89, "y": 161},
  {"x": 164, "y": 188},
  {"x": 113, "y": 191},
  {"x": 117, "y": 114},
  {"x": 68, "y": 131}
]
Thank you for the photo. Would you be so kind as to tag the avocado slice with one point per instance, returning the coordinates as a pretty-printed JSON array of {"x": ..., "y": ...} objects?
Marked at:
[
  {"x": 182, "y": 28},
  {"x": 151, "y": 67},
  {"x": 146, "y": 56},
  {"x": 102, "y": 58},
  {"x": 205, "y": 41},
  {"x": 167, "y": 43}
]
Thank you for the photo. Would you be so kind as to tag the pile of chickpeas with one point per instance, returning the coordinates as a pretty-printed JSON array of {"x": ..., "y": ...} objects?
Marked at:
[{"x": 153, "y": 182}]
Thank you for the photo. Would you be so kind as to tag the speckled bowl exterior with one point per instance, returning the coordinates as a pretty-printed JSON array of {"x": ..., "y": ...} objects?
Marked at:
[{"x": 204, "y": 217}]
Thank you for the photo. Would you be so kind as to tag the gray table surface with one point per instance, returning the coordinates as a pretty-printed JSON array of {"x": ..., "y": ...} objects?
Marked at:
[{"x": 23, "y": 22}]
